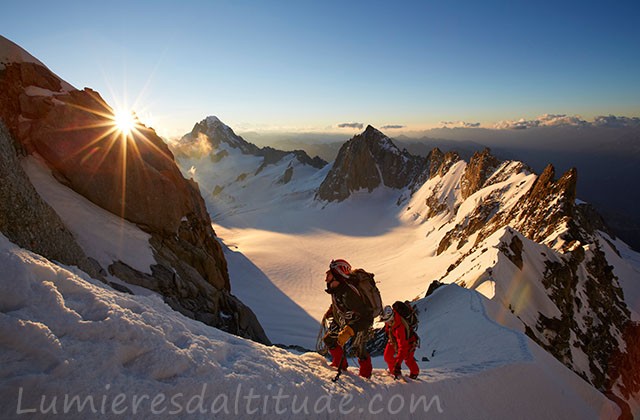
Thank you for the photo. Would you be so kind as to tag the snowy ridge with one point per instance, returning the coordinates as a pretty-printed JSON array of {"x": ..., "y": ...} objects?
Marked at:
[
  {"x": 153, "y": 350},
  {"x": 11, "y": 53}
]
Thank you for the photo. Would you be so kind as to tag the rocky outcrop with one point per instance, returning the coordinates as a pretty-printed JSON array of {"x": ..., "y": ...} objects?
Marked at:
[
  {"x": 187, "y": 292},
  {"x": 480, "y": 167},
  {"x": 28, "y": 221},
  {"x": 601, "y": 307},
  {"x": 272, "y": 156},
  {"x": 133, "y": 176},
  {"x": 368, "y": 161},
  {"x": 538, "y": 213},
  {"x": 439, "y": 164}
]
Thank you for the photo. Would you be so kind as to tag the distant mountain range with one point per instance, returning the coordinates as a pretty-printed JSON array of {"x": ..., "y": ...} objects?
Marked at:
[{"x": 605, "y": 153}]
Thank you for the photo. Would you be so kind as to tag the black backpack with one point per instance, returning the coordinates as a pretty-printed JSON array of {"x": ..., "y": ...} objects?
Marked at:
[
  {"x": 364, "y": 285},
  {"x": 409, "y": 316}
]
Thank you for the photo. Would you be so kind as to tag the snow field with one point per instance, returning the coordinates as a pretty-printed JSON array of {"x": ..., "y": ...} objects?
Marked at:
[{"x": 65, "y": 335}]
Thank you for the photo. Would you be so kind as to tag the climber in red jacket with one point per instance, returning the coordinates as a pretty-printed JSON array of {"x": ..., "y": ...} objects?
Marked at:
[{"x": 401, "y": 345}]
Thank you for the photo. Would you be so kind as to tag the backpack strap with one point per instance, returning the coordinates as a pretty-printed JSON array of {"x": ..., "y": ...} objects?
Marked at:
[
  {"x": 355, "y": 289},
  {"x": 406, "y": 327}
]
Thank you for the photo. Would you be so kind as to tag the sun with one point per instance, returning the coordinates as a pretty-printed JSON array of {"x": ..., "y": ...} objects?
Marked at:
[{"x": 124, "y": 121}]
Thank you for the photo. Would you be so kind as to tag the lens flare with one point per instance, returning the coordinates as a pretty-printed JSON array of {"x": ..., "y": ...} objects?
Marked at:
[
  {"x": 113, "y": 134},
  {"x": 124, "y": 121}
]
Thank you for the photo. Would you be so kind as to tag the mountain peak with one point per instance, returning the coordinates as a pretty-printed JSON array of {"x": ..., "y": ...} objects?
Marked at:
[
  {"x": 372, "y": 130},
  {"x": 218, "y": 133},
  {"x": 212, "y": 119},
  {"x": 211, "y": 123},
  {"x": 373, "y": 134},
  {"x": 220, "y": 136},
  {"x": 376, "y": 139},
  {"x": 366, "y": 161}
]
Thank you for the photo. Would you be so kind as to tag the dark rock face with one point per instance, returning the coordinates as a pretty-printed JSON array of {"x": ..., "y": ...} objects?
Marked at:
[
  {"x": 187, "y": 292},
  {"x": 286, "y": 177},
  {"x": 440, "y": 164},
  {"x": 546, "y": 205},
  {"x": 134, "y": 177},
  {"x": 272, "y": 156},
  {"x": 514, "y": 251},
  {"x": 367, "y": 161},
  {"x": 480, "y": 167},
  {"x": 607, "y": 316},
  {"x": 28, "y": 221}
]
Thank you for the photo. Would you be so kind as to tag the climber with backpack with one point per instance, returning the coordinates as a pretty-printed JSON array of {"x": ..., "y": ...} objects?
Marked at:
[
  {"x": 355, "y": 301},
  {"x": 401, "y": 321}
]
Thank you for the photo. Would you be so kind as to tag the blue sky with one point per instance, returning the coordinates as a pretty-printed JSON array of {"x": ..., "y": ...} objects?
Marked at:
[{"x": 310, "y": 65}]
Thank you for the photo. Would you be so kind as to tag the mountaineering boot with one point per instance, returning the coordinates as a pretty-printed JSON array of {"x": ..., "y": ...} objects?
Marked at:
[
  {"x": 365, "y": 367},
  {"x": 336, "y": 357}
]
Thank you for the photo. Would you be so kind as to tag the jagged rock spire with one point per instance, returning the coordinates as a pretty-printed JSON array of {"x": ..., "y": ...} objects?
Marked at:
[{"x": 367, "y": 161}]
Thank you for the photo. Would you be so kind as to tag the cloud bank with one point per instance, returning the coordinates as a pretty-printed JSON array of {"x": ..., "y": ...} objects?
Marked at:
[
  {"x": 357, "y": 125},
  {"x": 392, "y": 126},
  {"x": 613, "y": 121},
  {"x": 459, "y": 124},
  {"x": 562, "y": 120}
]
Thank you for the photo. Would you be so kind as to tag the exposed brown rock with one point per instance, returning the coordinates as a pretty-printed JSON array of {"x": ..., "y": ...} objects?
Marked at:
[
  {"x": 541, "y": 210},
  {"x": 435, "y": 159},
  {"x": 448, "y": 160},
  {"x": 480, "y": 167},
  {"x": 367, "y": 161}
]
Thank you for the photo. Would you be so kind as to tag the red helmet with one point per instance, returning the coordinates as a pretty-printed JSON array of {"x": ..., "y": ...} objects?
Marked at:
[{"x": 340, "y": 267}]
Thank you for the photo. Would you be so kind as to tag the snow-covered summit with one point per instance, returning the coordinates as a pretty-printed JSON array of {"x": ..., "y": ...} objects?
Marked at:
[
  {"x": 214, "y": 138},
  {"x": 237, "y": 174},
  {"x": 217, "y": 134},
  {"x": 11, "y": 53}
]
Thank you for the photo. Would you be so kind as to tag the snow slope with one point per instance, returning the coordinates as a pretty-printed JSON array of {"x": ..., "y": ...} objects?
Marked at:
[
  {"x": 102, "y": 235},
  {"x": 64, "y": 335}
]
